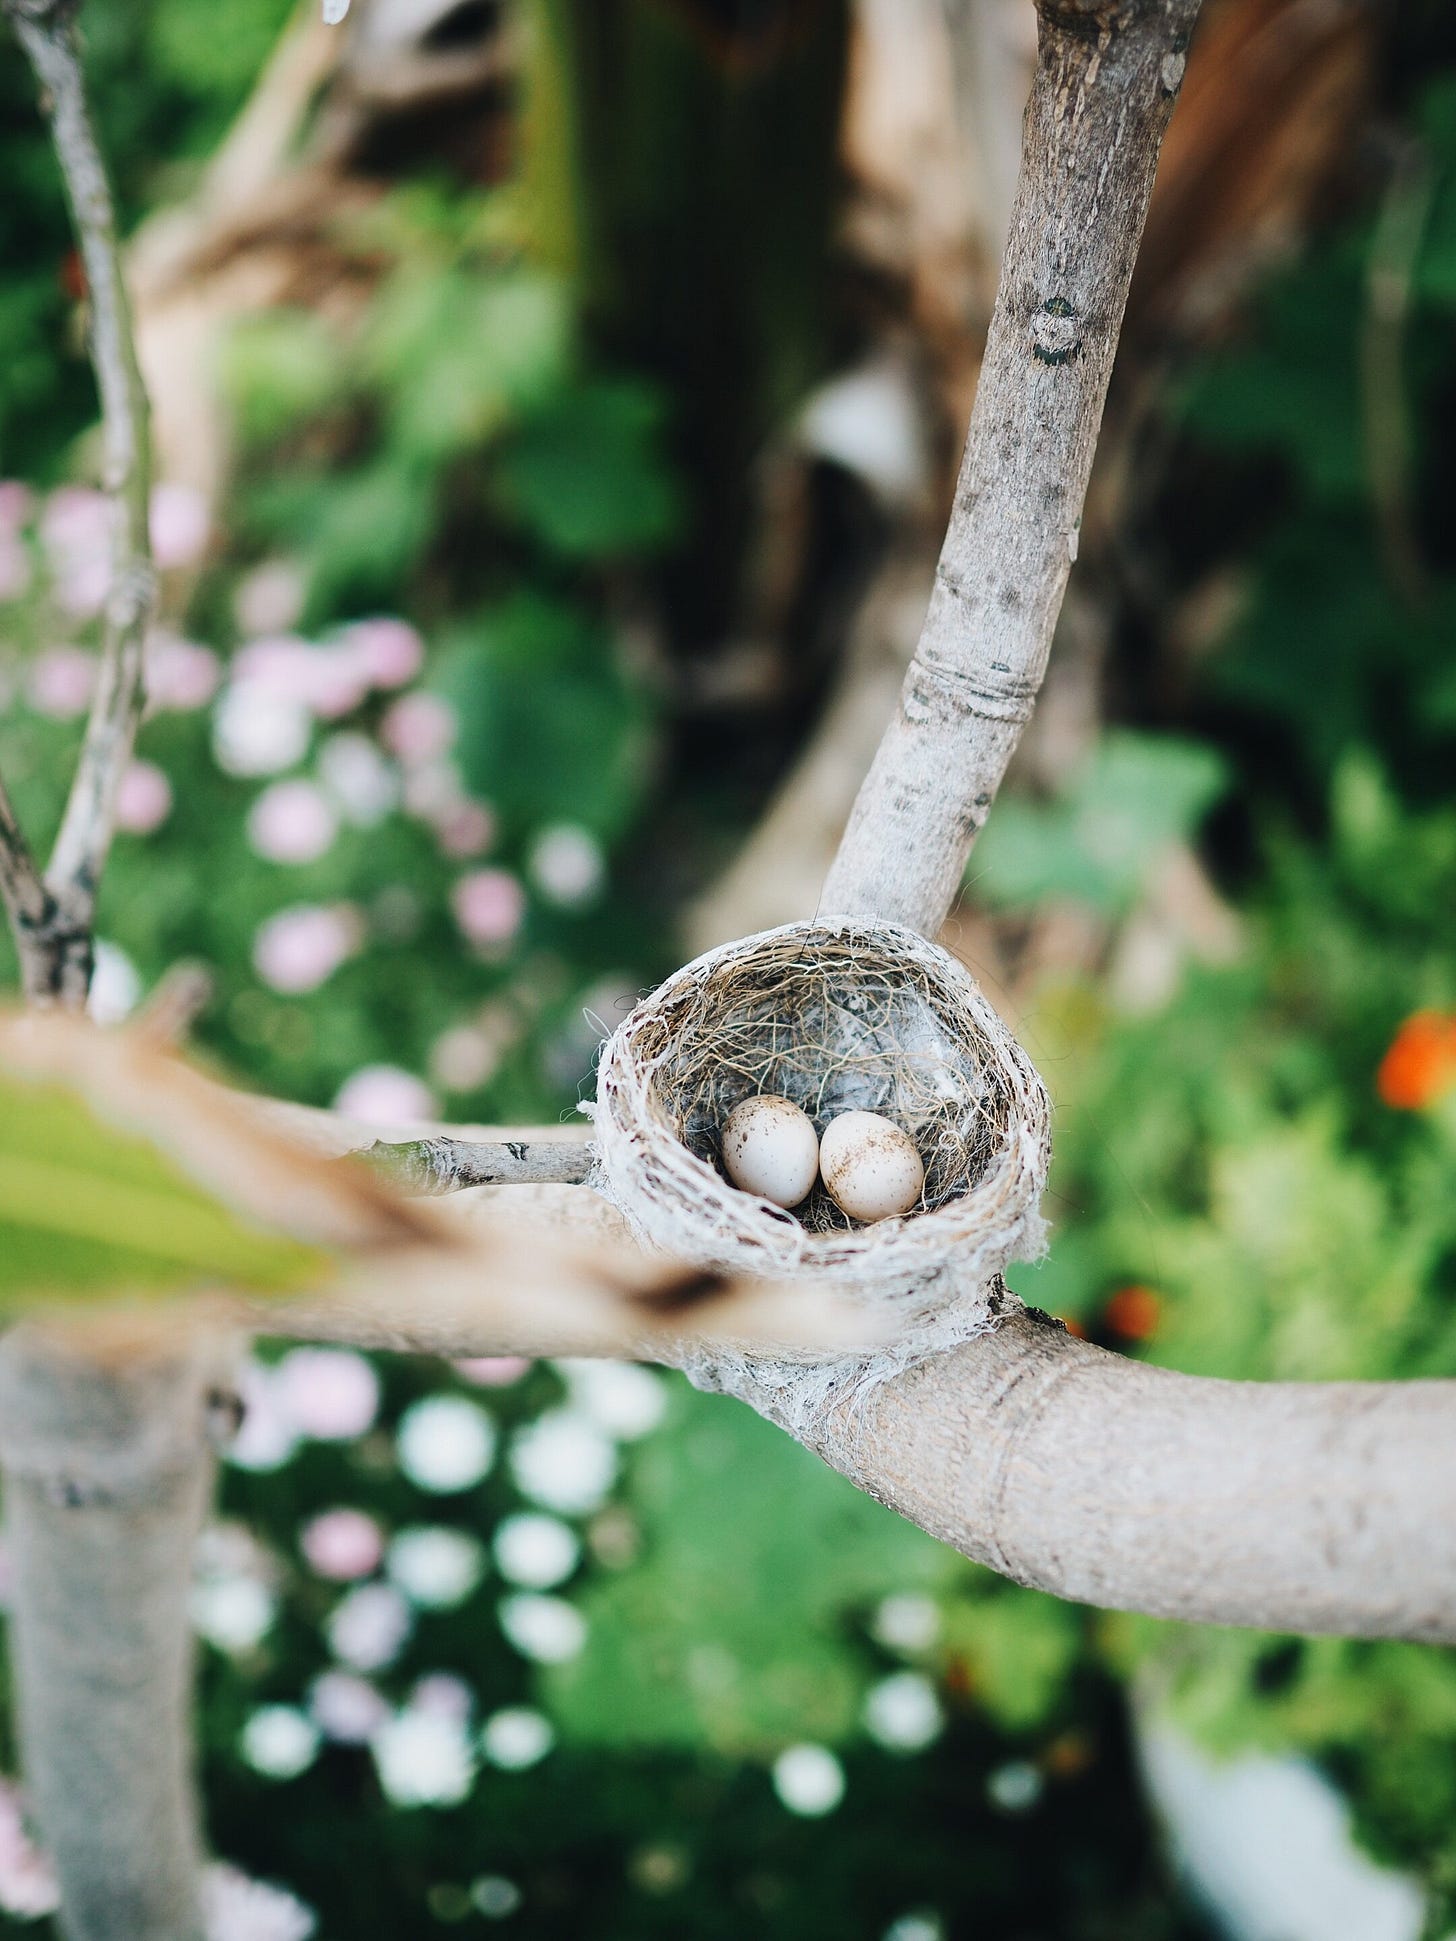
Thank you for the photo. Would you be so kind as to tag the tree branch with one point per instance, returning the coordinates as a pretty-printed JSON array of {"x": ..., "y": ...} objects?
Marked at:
[
  {"x": 1107, "y": 76},
  {"x": 47, "y": 32},
  {"x": 108, "y": 1474},
  {"x": 28, "y": 904}
]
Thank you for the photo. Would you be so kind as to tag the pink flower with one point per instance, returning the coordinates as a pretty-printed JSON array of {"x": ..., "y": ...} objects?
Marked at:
[
  {"x": 27, "y": 1877},
  {"x": 75, "y": 529},
  {"x": 346, "y": 1708},
  {"x": 463, "y": 1057},
  {"x": 443, "y": 1696},
  {"x": 419, "y": 728},
  {"x": 342, "y": 1544},
  {"x": 489, "y": 905},
  {"x": 390, "y": 650},
  {"x": 61, "y": 680},
  {"x": 465, "y": 829},
  {"x": 383, "y": 1095},
  {"x": 492, "y": 1371},
  {"x": 144, "y": 799},
  {"x": 17, "y": 502},
  {"x": 180, "y": 674},
  {"x": 14, "y": 567},
  {"x": 179, "y": 525},
  {"x": 292, "y": 822},
  {"x": 432, "y": 789},
  {"x": 328, "y": 681},
  {"x": 301, "y": 947},
  {"x": 330, "y": 1394},
  {"x": 270, "y": 599}
]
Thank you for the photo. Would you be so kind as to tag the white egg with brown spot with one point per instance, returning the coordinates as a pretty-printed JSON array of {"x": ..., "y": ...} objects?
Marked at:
[
  {"x": 770, "y": 1148},
  {"x": 870, "y": 1166}
]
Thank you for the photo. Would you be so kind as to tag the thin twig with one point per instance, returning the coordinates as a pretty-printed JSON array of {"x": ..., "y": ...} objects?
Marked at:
[
  {"x": 446, "y": 1165},
  {"x": 46, "y": 30},
  {"x": 21, "y": 890}
]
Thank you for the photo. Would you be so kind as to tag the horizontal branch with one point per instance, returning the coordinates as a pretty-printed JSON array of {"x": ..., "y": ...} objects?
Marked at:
[{"x": 1319, "y": 1507}]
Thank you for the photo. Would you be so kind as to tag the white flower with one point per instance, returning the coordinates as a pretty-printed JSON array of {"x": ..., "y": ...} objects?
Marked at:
[
  {"x": 330, "y": 1394},
  {"x": 267, "y": 1438},
  {"x": 234, "y": 1613},
  {"x": 623, "y": 1400},
  {"x": 1014, "y": 1787},
  {"x": 494, "y": 1896},
  {"x": 547, "y": 1629},
  {"x": 906, "y": 1621},
  {"x": 809, "y": 1780},
  {"x": 915, "y": 1927},
  {"x": 361, "y": 781},
  {"x": 436, "y": 1568},
  {"x": 567, "y": 865},
  {"x": 423, "y": 1759},
  {"x": 516, "y": 1738},
  {"x": 345, "y": 1708},
  {"x": 279, "y": 1741},
  {"x": 903, "y": 1712},
  {"x": 446, "y": 1443},
  {"x": 116, "y": 985},
  {"x": 368, "y": 1628},
  {"x": 235, "y": 1908},
  {"x": 537, "y": 1552},
  {"x": 257, "y": 732},
  {"x": 563, "y": 1462}
]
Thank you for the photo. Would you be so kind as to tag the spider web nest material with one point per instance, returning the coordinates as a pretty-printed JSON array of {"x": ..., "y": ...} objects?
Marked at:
[{"x": 839, "y": 1014}]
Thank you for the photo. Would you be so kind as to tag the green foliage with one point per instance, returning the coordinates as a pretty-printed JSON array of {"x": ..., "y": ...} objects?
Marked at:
[
  {"x": 741, "y": 1644},
  {"x": 552, "y": 727},
  {"x": 1097, "y": 839}
]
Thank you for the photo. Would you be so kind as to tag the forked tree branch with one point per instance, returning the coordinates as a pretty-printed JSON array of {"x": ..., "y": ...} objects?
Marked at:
[
  {"x": 1107, "y": 76},
  {"x": 55, "y": 945}
]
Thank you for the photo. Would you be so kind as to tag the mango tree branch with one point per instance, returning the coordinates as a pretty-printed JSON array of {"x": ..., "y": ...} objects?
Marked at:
[
  {"x": 46, "y": 30},
  {"x": 1107, "y": 76}
]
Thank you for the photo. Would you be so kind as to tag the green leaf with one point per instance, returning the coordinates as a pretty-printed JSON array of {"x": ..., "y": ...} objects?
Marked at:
[
  {"x": 550, "y": 728},
  {"x": 1096, "y": 843},
  {"x": 587, "y": 473},
  {"x": 87, "y": 1211}
]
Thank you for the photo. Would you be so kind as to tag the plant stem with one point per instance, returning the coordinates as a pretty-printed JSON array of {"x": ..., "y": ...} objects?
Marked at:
[{"x": 57, "y": 952}]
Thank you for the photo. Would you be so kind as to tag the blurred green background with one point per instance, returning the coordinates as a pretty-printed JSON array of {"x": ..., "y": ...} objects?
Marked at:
[{"x": 518, "y": 529}]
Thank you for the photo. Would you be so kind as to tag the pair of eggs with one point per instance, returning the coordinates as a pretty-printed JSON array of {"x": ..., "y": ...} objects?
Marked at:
[{"x": 869, "y": 1165}]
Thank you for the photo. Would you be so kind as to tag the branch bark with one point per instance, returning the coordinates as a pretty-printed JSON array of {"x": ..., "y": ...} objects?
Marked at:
[
  {"x": 1107, "y": 76},
  {"x": 108, "y": 1474},
  {"x": 56, "y": 947}
]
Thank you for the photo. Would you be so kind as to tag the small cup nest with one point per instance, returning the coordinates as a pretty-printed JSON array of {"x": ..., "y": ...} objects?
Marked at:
[{"x": 838, "y": 1015}]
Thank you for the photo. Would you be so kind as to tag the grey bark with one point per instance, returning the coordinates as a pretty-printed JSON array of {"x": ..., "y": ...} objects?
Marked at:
[
  {"x": 446, "y": 1165},
  {"x": 54, "y": 935},
  {"x": 108, "y": 1474},
  {"x": 1106, "y": 80}
]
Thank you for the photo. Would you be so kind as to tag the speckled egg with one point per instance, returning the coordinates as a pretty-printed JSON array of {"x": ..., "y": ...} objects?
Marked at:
[
  {"x": 870, "y": 1166},
  {"x": 771, "y": 1148}
]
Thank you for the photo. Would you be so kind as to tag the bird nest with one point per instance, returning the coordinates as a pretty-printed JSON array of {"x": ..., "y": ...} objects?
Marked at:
[{"x": 838, "y": 1015}]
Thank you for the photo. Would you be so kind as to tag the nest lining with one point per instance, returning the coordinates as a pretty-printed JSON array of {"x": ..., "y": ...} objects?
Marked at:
[{"x": 837, "y": 1015}]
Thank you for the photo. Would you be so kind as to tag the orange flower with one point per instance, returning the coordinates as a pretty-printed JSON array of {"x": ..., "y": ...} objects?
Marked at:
[
  {"x": 1421, "y": 1062},
  {"x": 1134, "y": 1312}
]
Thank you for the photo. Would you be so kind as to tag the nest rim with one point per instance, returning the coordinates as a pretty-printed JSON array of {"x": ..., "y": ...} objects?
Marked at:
[{"x": 679, "y": 1200}]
